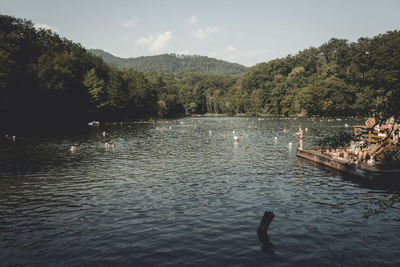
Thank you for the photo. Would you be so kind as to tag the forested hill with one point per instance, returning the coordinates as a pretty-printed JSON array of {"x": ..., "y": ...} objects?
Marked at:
[
  {"x": 172, "y": 63},
  {"x": 48, "y": 82}
]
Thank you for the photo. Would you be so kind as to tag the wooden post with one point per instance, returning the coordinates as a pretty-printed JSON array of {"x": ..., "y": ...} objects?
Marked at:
[
  {"x": 369, "y": 135},
  {"x": 263, "y": 227}
]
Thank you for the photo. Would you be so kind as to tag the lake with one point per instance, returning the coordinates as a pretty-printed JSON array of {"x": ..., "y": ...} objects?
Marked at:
[{"x": 182, "y": 192}]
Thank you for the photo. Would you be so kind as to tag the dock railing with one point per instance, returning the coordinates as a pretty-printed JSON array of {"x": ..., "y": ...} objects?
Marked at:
[
  {"x": 372, "y": 136},
  {"x": 379, "y": 141}
]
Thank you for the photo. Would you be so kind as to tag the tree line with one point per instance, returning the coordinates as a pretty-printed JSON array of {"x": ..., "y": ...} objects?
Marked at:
[
  {"x": 336, "y": 79},
  {"x": 172, "y": 63},
  {"x": 48, "y": 82}
]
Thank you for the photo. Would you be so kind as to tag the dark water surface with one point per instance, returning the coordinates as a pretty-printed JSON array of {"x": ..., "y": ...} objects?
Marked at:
[{"x": 174, "y": 193}]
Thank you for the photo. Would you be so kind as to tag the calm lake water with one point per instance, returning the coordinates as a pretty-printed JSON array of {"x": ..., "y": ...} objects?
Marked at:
[{"x": 181, "y": 192}]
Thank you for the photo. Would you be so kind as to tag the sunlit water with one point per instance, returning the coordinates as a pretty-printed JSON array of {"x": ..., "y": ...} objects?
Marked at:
[{"x": 181, "y": 192}]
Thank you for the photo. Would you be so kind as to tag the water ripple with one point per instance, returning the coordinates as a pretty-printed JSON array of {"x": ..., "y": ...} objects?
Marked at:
[{"x": 182, "y": 192}]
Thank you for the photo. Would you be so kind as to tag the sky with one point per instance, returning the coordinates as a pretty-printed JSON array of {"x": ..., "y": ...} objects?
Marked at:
[{"x": 240, "y": 31}]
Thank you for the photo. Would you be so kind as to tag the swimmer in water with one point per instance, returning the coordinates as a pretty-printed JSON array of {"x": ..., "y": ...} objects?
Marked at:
[
  {"x": 72, "y": 148},
  {"x": 247, "y": 149}
]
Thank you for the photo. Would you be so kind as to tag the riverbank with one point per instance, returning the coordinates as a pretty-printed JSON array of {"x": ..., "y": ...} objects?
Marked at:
[{"x": 274, "y": 116}]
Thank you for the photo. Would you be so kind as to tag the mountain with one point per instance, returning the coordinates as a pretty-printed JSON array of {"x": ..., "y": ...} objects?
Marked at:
[{"x": 172, "y": 63}]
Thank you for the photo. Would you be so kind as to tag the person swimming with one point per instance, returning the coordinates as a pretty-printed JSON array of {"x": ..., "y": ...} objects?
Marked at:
[{"x": 72, "y": 148}]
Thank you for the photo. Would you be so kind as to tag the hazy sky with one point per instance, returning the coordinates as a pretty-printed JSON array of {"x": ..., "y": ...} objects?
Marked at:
[{"x": 245, "y": 31}]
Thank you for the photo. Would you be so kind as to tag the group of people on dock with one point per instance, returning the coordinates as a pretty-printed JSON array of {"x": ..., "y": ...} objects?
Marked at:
[
  {"x": 389, "y": 128},
  {"x": 372, "y": 142}
]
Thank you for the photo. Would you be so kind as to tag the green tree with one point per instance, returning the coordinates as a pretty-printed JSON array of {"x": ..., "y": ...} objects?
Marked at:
[{"x": 96, "y": 88}]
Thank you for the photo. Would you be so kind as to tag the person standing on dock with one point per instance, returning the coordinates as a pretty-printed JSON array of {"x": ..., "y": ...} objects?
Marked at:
[
  {"x": 300, "y": 134},
  {"x": 370, "y": 122}
]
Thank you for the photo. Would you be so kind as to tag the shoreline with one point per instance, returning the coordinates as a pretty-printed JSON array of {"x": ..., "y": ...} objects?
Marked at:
[{"x": 269, "y": 116}]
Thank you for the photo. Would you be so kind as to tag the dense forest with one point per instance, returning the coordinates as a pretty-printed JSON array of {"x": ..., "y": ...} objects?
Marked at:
[
  {"x": 172, "y": 63},
  {"x": 48, "y": 82}
]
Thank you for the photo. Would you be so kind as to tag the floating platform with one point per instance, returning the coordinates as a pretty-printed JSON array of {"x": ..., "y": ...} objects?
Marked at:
[{"x": 361, "y": 170}]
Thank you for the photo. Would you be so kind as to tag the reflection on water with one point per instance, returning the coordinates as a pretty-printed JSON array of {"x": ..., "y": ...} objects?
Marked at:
[{"x": 182, "y": 192}]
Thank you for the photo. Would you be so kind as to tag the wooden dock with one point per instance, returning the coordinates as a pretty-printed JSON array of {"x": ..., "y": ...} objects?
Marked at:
[{"x": 361, "y": 170}]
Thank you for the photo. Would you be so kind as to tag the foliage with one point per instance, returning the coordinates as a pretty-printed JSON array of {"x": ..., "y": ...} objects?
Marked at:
[
  {"x": 48, "y": 82},
  {"x": 336, "y": 79},
  {"x": 341, "y": 139},
  {"x": 172, "y": 63}
]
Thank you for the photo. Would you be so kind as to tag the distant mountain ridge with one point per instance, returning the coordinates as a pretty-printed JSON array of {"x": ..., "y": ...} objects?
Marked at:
[{"x": 172, "y": 63}]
